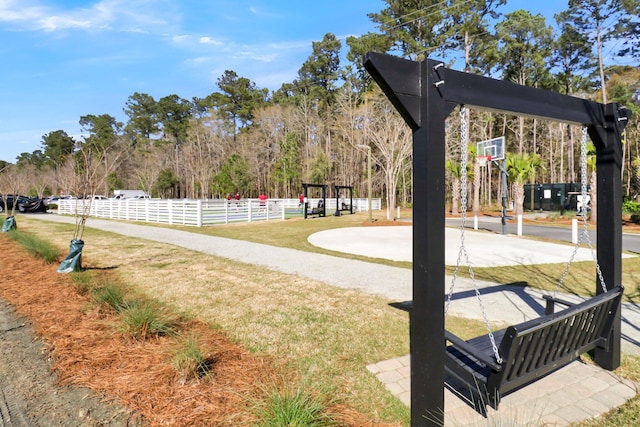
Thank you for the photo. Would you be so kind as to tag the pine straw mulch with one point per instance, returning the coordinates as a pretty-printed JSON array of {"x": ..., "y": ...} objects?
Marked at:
[{"x": 86, "y": 350}]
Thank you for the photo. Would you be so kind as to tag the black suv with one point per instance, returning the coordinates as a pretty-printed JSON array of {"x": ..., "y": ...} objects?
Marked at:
[{"x": 25, "y": 204}]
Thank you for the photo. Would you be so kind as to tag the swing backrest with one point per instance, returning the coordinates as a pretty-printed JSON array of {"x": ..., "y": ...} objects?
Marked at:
[{"x": 537, "y": 347}]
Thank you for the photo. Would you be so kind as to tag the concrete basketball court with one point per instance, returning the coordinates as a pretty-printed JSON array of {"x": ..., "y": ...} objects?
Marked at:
[{"x": 484, "y": 249}]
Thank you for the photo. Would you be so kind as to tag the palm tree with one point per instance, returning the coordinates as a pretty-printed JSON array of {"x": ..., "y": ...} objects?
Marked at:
[
  {"x": 521, "y": 168},
  {"x": 454, "y": 169},
  {"x": 476, "y": 180},
  {"x": 456, "y": 172},
  {"x": 593, "y": 181}
]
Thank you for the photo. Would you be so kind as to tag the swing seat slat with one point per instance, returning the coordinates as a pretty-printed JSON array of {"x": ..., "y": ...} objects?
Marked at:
[{"x": 532, "y": 349}]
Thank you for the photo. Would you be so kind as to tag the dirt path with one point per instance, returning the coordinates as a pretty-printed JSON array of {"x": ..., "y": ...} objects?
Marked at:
[{"x": 29, "y": 395}]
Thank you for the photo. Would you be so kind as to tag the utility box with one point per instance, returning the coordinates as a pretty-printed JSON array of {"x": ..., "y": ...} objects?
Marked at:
[{"x": 552, "y": 197}]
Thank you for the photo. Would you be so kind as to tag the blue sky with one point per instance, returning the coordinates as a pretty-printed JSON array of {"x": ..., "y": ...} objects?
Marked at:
[{"x": 62, "y": 59}]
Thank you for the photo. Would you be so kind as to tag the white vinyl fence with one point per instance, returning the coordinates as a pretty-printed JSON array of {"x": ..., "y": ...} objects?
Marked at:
[{"x": 199, "y": 213}]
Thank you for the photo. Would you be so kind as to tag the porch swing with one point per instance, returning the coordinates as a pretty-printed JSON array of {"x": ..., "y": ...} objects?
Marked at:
[{"x": 493, "y": 365}]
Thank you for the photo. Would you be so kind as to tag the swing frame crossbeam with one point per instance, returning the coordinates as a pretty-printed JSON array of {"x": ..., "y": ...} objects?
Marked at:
[{"x": 425, "y": 93}]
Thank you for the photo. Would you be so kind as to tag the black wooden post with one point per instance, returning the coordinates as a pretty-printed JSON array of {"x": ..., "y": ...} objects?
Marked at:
[
  {"x": 609, "y": 218},
  {"x": 413, "y": 88},
  {"x": 427, "y": 314}
]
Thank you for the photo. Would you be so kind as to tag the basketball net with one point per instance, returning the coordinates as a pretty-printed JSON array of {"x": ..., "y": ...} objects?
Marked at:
[{"x": 483, "y": 160}]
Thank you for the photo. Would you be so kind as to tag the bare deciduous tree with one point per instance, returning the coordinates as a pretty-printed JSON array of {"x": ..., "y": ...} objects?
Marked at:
[{"x": 392, "y": 144}]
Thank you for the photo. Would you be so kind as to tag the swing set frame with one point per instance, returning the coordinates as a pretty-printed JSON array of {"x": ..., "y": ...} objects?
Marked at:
[
  {"x": 425, "y": 93},
  {"x": 309, "y": 210}
]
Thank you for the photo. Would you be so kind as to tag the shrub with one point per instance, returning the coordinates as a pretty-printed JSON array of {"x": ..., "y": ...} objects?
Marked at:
[{"x": 631, "y": 207}]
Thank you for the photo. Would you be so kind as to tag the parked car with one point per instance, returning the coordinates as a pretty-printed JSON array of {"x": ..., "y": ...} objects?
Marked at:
[
  {"x": 24, "y": 204},
  {"x": 9, "y": 203},
  {"x": 51, "y": 200}
]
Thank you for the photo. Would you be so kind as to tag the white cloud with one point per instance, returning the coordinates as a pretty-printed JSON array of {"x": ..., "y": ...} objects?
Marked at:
[
  {"x": 17, "y": 12},
  {"x": 263, "y": 13},
  {"x": 180, "y": 39},
  {"x": 209, "y": 40},
  {"x": 197, "y": 61},
  {"x": 53, "y": 23},
  {"x": 137, "y": 30},
  {"x": 266, "y": 58},
  {"x": 114, "y": 15},
  {"x": 255, "y": 56}
]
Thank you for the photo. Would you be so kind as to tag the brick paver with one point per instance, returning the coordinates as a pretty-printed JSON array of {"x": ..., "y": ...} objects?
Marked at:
[{"x": 577, "y": 392}]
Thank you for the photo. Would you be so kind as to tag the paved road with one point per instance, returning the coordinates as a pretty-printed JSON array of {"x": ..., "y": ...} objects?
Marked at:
[{"x": 630, "y": 241}]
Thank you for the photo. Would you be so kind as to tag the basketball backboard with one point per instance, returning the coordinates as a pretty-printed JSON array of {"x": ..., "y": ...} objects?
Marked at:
[{"x": 492, "y": 147}]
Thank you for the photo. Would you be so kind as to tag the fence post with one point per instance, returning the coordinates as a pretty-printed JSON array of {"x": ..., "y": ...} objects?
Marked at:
[
  {"x": 199, "y": 213},
  {"x": 519, "y": 227},
  {"x": 249, "y": 212},
  {"x": 170, "y": 208}
]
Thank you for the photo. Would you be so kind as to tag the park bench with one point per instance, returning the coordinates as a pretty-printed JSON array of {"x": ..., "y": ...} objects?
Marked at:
[{"x": 532, "y": 349}]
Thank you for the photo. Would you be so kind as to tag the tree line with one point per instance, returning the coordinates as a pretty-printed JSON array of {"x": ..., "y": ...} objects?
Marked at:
[{"x": 243, "y": 138}]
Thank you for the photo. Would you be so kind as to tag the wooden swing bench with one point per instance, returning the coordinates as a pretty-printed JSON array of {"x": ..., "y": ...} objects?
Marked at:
[
  {"x": 533, "y": 348},
  {"x": 319, "y": 210}
]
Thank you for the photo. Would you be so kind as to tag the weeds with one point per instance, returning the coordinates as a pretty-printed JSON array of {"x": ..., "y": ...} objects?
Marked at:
[{"x": 35, "y": 246}]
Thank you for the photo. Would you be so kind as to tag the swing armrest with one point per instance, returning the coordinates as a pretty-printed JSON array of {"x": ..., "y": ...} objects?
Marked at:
[
  {"x": 472, "y": 351},
  {"x": 551, "y": 301}
]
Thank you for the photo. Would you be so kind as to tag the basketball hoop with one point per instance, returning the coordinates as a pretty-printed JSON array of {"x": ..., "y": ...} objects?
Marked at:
[{"x": 483, "y": 160}]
